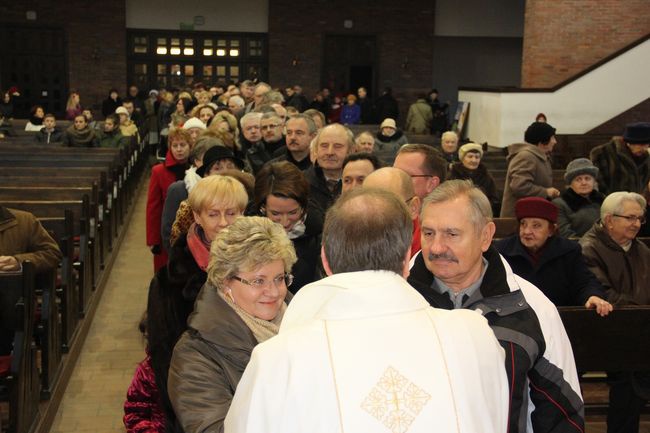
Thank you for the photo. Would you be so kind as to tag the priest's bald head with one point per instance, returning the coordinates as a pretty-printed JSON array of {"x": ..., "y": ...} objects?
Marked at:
[
  {"x": 398, "y": 182},
  {"x": 367, "y": 229}
]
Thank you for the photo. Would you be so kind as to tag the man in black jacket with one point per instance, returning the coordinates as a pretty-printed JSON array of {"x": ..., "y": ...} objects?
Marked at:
[
  {"x": 49, "y": 133},
  {"x": 333, "y": 143},
  {"x": 457, "y": 268}
]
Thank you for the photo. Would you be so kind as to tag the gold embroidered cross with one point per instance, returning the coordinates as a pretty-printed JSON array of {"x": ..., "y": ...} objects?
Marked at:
[{"x": 395, "y": 401}]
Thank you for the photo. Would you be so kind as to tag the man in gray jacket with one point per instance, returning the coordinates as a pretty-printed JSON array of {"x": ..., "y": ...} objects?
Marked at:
[{"x": 529, "y": 168}]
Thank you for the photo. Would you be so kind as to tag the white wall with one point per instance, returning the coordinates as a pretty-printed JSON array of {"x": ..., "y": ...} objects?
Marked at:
[
  {"x": 220, "y": 15},
  {"x": 501, "y": 18},
  {"x": 618, "y": 85}
]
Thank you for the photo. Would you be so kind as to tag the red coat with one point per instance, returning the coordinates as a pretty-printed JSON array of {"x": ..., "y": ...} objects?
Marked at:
[
  {"x": 162, "y": 175},
  {"x": 142, "y": 408}
]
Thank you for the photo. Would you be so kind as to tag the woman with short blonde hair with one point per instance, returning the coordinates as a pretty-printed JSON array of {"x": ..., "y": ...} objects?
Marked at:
[
  {"x": 241, "y": 305},
  {"x": 216, "y": 202}
]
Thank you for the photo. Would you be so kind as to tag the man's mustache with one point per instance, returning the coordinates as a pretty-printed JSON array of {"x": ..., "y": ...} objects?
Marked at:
[{"x": 444, "y": 256}]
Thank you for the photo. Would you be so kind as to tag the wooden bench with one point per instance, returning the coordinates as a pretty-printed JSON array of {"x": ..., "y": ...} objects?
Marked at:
[
  {"x": 17, "y": 316},
  {"x": 617, "y": 342},
  {"x": 81, "y": 197}
]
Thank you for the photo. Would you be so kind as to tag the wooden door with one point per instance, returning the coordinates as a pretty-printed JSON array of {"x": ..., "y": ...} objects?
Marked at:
[{"x": 349, "y": 62}]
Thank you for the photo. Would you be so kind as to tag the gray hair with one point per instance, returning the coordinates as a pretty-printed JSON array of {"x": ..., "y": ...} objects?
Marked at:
[
  {"x": 238, "y": 100},
  {"x": 311, "y": 125},
  {"x": 262, "y": 84},
  {"x": 270, "y": 115},
  {"x": 272, "y": 97},
  {"x": 349, "y": 134},
  {"x": 613, "y": 203},
  {"x": 247, "y": 244},
  {"x": 202, "y": 145},
  {"x": 480, "y": 211},
  {"x": 251, "y": 117}
]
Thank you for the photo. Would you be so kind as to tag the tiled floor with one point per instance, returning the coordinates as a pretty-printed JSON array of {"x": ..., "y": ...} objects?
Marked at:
[{"x": 93, "y": 400}]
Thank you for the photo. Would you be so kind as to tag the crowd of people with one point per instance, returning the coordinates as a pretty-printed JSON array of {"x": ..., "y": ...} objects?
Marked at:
[{"x": 289, "y": 254}]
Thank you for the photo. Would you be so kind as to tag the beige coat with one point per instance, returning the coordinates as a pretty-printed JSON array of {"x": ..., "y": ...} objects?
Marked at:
[{"x": 529, "y": 174}]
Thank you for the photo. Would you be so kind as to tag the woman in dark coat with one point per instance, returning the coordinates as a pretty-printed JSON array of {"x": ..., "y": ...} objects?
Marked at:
[
  {"x": 110, "y": 104},
  {"x": 282, "y": 195},
  {"x": 174, "y": 289},
  {"x": 470, "y": 167},
  {"x": 554, "y": 264},
  {"x": 579, "y": 204}
]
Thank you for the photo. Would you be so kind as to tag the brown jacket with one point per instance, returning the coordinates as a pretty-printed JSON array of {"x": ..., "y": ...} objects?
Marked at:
[
  {"x": 23, "y": 237},
  {"x": 624, "y": 275},
  {"x": 529, "y": 174},
  {"x": 208, "y": 362}
]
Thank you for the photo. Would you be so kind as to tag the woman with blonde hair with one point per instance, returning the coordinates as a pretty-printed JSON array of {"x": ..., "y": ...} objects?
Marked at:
[
  {"x": 73, "y": 106},
  {"x": 241, "y": 305},
  {"x": 215, "y": 203},
  {"x": 224, "y": 126}
]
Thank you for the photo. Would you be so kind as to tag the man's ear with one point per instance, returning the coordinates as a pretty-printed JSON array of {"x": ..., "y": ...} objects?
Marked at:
[
  {"x": 414, "y": 207},
  {"x": 405, "y": 264},
  {"x": 434, "y": 181},
  {"x": 326, "y": 265},
  {"x": 487, "y": 235}
]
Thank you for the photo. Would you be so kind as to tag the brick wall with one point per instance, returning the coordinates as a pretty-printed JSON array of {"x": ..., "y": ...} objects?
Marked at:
[
  {"x": 95, "y": 36},
  {"x": 403, "y": 30},
  {"x": 564, "y": 37}
]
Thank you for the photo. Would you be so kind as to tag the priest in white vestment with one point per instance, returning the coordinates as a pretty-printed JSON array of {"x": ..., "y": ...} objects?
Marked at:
[{"x": 362, "y": 351}]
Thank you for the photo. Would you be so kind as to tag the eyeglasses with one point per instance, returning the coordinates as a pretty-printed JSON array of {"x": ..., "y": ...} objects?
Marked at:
[
  {"x": 266, "y": 127},
  {"x": 421, "y": 175},
  {"x": 632, "y": 218},
  {"x": 261, "y": 283}
]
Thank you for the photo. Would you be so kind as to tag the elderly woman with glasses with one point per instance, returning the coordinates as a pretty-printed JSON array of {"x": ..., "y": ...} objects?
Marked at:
[
  {"x": 620, "y": 261},
  {"x": 241, "y": 305}
]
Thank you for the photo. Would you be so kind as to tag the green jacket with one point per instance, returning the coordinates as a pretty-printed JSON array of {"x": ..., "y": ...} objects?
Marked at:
[{"x": 113, "y": 139}]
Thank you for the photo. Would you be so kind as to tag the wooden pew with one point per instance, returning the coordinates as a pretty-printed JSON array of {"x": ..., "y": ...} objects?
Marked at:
[
  {"x": 17, "y": 315},
  {"x": 83, "y": 265},
  {"x": 617, "y": 342},
  {"x": 121, "y": 163},
  {"x": 57, "y": 193}
]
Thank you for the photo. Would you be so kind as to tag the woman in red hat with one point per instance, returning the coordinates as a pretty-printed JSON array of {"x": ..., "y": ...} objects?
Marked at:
[{"x": 552, "y": 263}]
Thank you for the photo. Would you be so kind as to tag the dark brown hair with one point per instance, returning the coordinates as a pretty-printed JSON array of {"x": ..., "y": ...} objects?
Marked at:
[{"x": 282, "y": 179}]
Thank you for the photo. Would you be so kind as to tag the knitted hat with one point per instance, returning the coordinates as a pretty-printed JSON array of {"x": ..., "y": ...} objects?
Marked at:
[
  {"x": 469, "y": 147},
  {"x": 637, "y": 133},
  {"x": 216, "y": 154},
  {"x": 121, "y": 110},
  {"x": 579, "y": 166},
  {"x": 388, "y": 123},
  {"x": 193, "y": 122},
  {"x": 539, "y": 132},
  {"x": 536, "y": 207}
]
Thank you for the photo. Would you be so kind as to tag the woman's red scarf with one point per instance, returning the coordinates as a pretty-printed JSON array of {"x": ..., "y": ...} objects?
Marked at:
[{"x": 199, "y": 246}]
